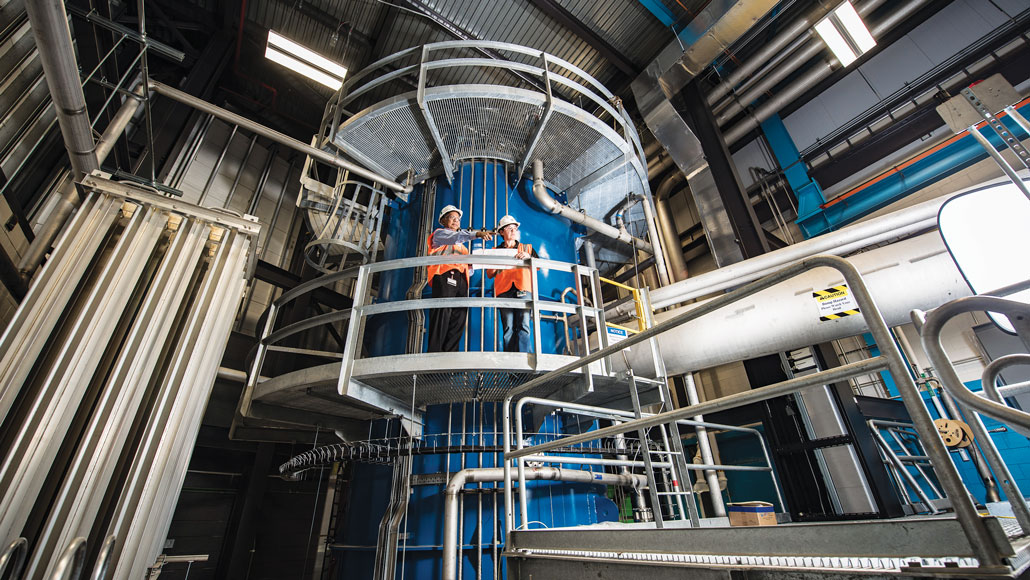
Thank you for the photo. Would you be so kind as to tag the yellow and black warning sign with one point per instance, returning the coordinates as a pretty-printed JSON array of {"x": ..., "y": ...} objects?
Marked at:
[{"x": 835, "y": 302}]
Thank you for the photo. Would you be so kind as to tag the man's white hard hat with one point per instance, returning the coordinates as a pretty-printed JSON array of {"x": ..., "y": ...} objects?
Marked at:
[{"x": 446, "y": 210}]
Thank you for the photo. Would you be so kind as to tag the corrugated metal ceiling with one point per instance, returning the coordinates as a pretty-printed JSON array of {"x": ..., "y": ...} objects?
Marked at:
[{"x": 379, "y": 28}]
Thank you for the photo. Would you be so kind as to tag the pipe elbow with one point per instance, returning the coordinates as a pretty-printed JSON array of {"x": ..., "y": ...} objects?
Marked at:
[
  {"x": 540, "y": 190},
  {"x": 458, "y": 481}
]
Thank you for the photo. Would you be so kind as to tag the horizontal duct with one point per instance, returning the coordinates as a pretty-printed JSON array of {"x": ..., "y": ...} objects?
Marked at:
[{"x": 914, "y": 273}]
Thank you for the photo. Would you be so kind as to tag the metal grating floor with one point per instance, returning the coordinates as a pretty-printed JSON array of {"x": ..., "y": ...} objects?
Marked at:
[{"x": 428, "y": 379}]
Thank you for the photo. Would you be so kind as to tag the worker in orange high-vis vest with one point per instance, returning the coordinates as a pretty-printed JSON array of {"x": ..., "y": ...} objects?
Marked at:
[
  {"x": 446, "y": 325},
  {"x": 513, "y": 283}
]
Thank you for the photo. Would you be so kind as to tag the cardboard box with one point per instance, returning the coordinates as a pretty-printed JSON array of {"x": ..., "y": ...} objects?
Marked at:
[{"x": 751, "y": 513}]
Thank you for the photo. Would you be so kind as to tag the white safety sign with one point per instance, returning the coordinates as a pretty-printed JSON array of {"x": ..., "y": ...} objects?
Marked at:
[{"x": 835, "y": 302}]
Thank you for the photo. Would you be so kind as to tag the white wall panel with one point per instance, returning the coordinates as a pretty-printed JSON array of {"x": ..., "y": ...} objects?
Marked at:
[
  {"x": 809, "y": 123},
  {"x": 894, "y": 66}
]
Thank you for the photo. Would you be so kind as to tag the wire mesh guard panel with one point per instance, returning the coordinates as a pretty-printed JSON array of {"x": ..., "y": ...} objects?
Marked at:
[{"x": 486, "y": 127}]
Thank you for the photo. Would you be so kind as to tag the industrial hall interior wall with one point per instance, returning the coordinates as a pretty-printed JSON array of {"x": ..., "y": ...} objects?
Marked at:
[{"x": 858, "y": 132}]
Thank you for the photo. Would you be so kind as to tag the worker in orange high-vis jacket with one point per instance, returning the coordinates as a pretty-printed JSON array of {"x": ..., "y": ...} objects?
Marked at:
[
  {"x": 446, "y": 325},
  {"x": 513, "y": 283}
]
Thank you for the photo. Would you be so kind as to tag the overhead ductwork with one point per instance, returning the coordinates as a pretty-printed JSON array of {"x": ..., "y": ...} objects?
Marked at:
[{"x": 718, "y": 26}]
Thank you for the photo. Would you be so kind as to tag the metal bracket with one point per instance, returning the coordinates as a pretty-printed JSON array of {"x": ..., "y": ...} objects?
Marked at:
[{"x": 420, "y": 96}]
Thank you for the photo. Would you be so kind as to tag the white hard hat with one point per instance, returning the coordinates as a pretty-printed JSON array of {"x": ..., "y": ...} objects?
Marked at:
[
  {"x": 446, "y": 210},
  {"x": 506, "y": 221}
]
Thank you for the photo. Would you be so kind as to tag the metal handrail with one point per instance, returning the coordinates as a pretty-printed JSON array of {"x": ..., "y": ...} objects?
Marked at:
[
  {"x": 897, "y": 462},
  {"x": 617, "y": 415},
  {"x": 15, "y": 551},
  {"x": 931, "y": 340},
  {"x": 534, "y": 304},
  {"x": 362, "y": 276},
  {"x": 104, "y": 560},
  {"x": 930, "y": 329},
  {"x": 72, "y": 561},
  {"x": 987, "y": 551}
]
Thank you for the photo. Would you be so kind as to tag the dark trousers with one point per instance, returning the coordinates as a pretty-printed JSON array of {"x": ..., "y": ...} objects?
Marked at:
[
  {"x": 515, "y": 324},
  {"x": 447, "y": 325}
]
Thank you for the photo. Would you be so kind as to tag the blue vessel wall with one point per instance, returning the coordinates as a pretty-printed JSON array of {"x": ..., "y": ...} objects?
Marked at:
[
  {"x": 484, "y": 193},
  {"x": 458, "y": 436}
]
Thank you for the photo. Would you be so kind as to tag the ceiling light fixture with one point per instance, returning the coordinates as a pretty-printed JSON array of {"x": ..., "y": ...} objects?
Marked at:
[
  {"x": 304, "y": 61},
  {"x": 844, "y": 32}
]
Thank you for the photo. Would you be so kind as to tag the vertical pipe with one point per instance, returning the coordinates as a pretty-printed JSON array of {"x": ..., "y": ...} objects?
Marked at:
[
  {"x": 588, "y": 250},
  {"x": 655, "y": 239},
  {"x": 671, "y": 241},
  {"x": 49, "y": 23},
  {"x": 704, "y": 445},
  {"x": 69, "y": 196}
]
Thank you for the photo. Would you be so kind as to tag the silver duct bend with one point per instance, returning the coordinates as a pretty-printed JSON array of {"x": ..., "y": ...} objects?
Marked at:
[
  {"x": 552, "y": 205},
  {"x": 458, "y": 481}
]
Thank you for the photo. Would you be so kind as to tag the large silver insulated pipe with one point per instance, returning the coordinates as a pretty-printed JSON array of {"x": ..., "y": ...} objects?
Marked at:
[
  {"x": 840, "y": 243},
  {"x": 917, "y": 273},
  {"x": 54, "y": 42},
  {"x": 819, "y": 71}
]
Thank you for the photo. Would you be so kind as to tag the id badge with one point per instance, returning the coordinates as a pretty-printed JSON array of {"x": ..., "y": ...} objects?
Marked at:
[{"x": 451, "y": 281}]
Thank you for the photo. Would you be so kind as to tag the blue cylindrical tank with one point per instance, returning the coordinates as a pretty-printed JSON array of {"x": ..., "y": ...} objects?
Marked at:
[{"x": 465, "y": 435}]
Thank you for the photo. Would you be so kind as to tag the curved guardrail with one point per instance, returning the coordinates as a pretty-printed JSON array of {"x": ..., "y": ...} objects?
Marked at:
[
  {"x": 564, "y": 105},
  {"x": 993, "y": 406},
  {"x": 12, "y": 559},
  {"x": 581, "y": 316}
]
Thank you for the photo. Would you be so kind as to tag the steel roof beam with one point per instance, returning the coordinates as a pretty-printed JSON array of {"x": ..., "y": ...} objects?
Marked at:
[
  {"x": 462, "y": 34},
  {"x": 569, "y": 20}
]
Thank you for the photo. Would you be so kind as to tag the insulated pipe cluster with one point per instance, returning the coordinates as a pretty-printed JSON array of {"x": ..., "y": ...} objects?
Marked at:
[
  {"x": 453, "y": 493},
  {"x": 807, "y": 46},
  {"x": 805, "y": 81},
  {"x": 801, "y": 26}
]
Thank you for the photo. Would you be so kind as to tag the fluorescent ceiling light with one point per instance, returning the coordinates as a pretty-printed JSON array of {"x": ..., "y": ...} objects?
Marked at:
[
  {"x": 835, "y": 40},
  {"x": 304, "y": 61},
  {"x": 844, "y": 32},
  {"x": 854, "y": 27}
]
